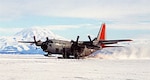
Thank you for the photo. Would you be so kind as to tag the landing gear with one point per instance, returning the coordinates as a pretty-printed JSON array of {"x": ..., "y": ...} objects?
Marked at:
[
  {"x": 76, "y": 55},
  {"x": 48, "y": 54},
  {"x": 66, "y": 54}
]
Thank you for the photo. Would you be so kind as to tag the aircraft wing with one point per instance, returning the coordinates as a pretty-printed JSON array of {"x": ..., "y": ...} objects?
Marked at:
[
  {"x": 112, "y": 41},
  {"x": 26, "y": 42}
]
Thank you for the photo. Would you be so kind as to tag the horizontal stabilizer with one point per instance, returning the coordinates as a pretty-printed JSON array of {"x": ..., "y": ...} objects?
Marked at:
[
  {"x": 112, "y": 41},
  {"x": 115, "y": 40},
  {"x": 110, "y": 46}
]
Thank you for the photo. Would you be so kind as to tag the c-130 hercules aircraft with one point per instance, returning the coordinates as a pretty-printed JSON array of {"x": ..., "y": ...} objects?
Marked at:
[{"x": 77, "y": 49}]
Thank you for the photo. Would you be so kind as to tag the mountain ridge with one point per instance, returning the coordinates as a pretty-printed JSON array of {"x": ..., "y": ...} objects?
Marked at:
[{"x": 10, "y": 44}]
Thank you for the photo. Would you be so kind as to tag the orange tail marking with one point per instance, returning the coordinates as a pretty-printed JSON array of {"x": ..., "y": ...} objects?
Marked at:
[{"x": 102, "y": 33}]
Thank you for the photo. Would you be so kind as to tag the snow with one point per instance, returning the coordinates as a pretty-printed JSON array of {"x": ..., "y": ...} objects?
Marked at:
[
  {"x": 137, "y": 49},
  {"x": 38, "y": 67}
]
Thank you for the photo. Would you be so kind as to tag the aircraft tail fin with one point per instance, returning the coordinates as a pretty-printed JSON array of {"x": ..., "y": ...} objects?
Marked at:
[
  {"x": 101, "y": 38},
  {"x": 102, "y": 33}
]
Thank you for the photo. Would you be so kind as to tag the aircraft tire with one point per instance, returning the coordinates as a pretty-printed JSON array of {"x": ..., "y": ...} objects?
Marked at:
[
  {"x": 48, "y": 54},
  {"x": 76, "y": 56},
  {"x": 65, "y": 54}
]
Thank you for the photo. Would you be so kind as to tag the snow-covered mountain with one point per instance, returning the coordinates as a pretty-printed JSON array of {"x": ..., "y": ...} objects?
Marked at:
[
  {"x": 11, "y": 45},
  {"x": 40, "y": 33}
]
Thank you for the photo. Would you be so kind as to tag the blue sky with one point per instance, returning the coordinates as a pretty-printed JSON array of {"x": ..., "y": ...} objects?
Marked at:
[{"x": 69, "y": 18}]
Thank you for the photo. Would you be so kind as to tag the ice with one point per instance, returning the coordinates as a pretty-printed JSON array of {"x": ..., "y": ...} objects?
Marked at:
[{"x": 38, "y": 67}]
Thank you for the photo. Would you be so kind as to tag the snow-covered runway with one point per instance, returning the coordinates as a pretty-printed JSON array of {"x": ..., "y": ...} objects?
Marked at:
[{"x": 38, "y": 67}]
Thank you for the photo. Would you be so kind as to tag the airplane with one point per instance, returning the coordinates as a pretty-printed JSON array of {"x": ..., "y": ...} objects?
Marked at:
[{"x": 76, "y": 49}]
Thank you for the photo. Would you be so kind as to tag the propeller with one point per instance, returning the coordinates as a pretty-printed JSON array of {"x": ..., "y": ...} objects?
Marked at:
[
  {"x": 75, "y": 43},
  {"x": 34, "y": 39},
  {"x": 32, "y": 42},
  {"x": 36, "y": 42},
  {"x": 91, "y": 41},
  {"x": 89, "y": 38},
  {"x": 44, "y": 45},
  {"x": 47, "y": 39},
  {"x": 77, "y": 40},
  {"x": 75, "y": 47}
]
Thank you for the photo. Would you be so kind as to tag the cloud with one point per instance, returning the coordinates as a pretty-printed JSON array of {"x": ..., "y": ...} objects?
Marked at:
[
  {"x": 116, "y": 26},
  {"x": 59, "y": 27},
  {"x": 122, "y": 14},
  {"x": 129, "y": 26},
  {"x": 6, "y": 31},
  {"x": 142, "y": 36},
  {"x": 9, "y": 31},
  {"x": 100, "y": 9},
  {"x": 67, "y": 27}
]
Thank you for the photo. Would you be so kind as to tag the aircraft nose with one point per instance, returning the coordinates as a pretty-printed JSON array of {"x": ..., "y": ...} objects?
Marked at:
[{"x": 44, "y": 46}]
